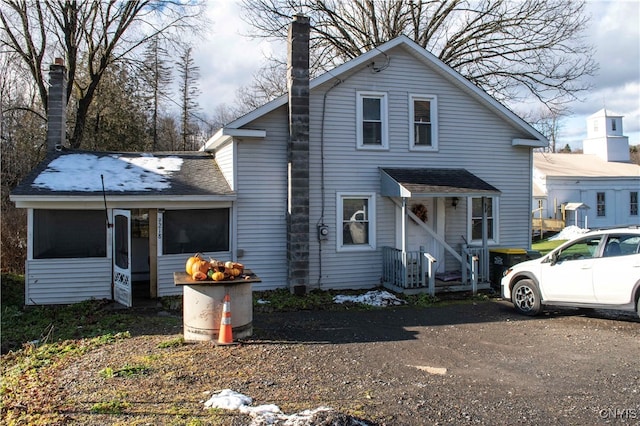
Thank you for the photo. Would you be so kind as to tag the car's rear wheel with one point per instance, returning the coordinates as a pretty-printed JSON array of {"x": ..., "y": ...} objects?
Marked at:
[{"x": 526, "y": 297}]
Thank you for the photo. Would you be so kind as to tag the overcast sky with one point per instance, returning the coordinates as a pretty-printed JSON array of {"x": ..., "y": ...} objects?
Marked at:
[{"x": 228, "y": 60}]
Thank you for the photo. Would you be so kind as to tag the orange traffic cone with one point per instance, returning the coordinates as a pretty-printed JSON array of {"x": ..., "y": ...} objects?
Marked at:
[{"x": 225, "y": 337}]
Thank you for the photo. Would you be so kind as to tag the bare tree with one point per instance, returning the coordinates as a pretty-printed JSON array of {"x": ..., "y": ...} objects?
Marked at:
[
  {"x": 108, "y": 31},
  {"x": 549, "y": 123},
  {"x": 157, "y": 75},
  {"x": 188, "y": 74},
  {"x": 511, "y": 49}
]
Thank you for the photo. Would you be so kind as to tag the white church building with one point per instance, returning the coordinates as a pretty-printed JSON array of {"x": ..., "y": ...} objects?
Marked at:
[{"x": 598, "y": 188}]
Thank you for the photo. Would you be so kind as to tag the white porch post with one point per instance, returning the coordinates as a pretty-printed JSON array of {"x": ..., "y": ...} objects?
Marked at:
[
  {"x": 404, "y": 242},
  {"x": 485, "y": 239}
]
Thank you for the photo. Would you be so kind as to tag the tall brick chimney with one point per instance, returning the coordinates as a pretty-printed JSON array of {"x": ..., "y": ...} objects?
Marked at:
[
  {"x": 57, "y": 106},
  {"x": 298, "y": 86}
]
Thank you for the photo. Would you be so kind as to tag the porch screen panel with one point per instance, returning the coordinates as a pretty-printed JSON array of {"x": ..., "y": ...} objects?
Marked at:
[
  {"x": 64, "y": 234},
  {"x": 193, "y": 231}
]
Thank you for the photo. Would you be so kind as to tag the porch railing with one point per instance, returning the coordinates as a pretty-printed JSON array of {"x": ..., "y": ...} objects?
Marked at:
[
  {"x": 415, "y": 270},
  {"x": 470, "y": 252}
]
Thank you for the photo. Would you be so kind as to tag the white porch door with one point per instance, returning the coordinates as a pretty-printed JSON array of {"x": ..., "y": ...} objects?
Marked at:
[{"x": 122, "y": 257}]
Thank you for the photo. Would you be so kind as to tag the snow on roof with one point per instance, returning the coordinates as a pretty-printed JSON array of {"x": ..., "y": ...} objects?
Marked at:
[
  {"x": 581, "y": 165},
  {"x": 85, "y": 172}
]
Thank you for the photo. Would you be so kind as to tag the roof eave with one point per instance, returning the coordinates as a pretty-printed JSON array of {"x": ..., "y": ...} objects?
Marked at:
[
  {"x": 534, "y": 143},
  {"x": 86, "y": 201},
  {"x": 226, "y": 134}
]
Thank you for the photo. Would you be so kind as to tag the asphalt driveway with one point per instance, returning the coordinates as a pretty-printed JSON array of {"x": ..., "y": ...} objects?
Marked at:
[{"x": 476, "y": 363}]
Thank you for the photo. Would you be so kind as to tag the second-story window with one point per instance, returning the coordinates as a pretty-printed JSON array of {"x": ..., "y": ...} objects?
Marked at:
[
  {"x": 372, "y": 120},
  {"x": 422, "y": 122}
]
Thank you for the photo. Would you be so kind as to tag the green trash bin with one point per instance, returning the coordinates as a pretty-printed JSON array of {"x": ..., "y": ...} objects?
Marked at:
[{"x": 501, "y": 260}]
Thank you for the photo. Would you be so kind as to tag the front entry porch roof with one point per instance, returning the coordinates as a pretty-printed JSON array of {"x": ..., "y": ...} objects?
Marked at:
[{"x": 433, "y": 182}]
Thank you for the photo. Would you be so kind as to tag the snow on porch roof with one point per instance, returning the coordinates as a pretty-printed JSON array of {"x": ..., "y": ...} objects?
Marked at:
[
  {"x": 433, "y": 183},
  {"x": 576, "y": 206},
  {"x": 82, "y": 173}
]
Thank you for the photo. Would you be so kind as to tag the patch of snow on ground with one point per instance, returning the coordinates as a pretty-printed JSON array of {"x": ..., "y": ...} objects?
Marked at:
[
  {"x": 268, "y": 414},
  {"x": 373, "y": 298},
  {"x": 569, "y": 233}
]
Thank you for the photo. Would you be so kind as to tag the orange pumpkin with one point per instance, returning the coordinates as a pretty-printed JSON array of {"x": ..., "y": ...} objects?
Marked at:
[
  {"x": 199, "y": 276},
  {"x": 196, "y": 257},
  {"x": 200, "y": 266}
]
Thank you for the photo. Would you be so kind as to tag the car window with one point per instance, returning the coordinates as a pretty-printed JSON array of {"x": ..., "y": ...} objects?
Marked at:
[
  {"x": 585, "y": 248},
  {"x": 622, "y": 245}
]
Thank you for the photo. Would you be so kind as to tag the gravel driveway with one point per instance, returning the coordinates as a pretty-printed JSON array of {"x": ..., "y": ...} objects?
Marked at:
[{"x": 469, "y": 363}]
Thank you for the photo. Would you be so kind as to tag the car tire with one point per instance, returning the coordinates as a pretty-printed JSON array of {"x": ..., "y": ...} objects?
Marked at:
[{"x": 526, "y": 297}]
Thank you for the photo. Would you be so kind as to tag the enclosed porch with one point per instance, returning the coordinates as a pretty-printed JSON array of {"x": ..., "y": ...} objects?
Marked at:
[{"x": 442, "y": 263}]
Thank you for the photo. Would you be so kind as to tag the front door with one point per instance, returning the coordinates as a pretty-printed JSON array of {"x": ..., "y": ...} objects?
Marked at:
[
  {"x": 122, "y": 257},
  {"x": 418, "y": 237}
]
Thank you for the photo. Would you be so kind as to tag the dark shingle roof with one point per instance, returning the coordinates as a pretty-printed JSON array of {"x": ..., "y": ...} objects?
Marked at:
[{"x": 440, "y": 182}]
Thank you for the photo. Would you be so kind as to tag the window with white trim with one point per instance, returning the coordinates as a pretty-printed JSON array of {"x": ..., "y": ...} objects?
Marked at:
[
  {"x": 475, "y": 218},
  {"x": 423, "y": 128},
  {"x": 633, "y": 203},
  {"x": 371, "y": 116},
  {"x": 356, "y": 220}
]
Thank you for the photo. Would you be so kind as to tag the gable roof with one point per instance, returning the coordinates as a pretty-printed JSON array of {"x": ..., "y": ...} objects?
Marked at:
[
  {"x": 68, "y": 174},
  {"x": 538, "y": 140},
  {"x": 433, "y": 182},
  {"x": 582, "y": 165}
]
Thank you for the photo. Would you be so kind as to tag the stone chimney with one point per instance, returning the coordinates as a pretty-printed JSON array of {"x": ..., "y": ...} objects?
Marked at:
[
  {"x": 57, "y": 106},
  {"x": 298, "y": 86}
]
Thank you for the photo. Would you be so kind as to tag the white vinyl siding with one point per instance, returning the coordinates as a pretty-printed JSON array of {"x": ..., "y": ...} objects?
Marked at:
[
  {"x": 371, "y": 120},
  {"x": 262, "y": 201},
  {"x": 224, "y": 159},
  {"x": 61, "y": 281},
  {"x": 480, "y": 143},
  {"x": 423, "y": 122}
]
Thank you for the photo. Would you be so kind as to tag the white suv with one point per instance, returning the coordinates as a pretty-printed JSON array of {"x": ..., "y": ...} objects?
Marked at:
[{"x": 599, "y": 269}]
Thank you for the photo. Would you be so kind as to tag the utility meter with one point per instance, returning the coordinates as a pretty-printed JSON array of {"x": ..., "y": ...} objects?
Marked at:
[{"x": 323, "y": 232}]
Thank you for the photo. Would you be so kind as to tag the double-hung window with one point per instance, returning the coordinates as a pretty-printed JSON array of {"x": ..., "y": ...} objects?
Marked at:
[
  {"x": 371, "y": 116},
  {"x": 475, "y": 210},
  {"x": 633, "y": 203},
  {"x": 423, "y": 129},
  {"x": 356, "y": 220}
]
